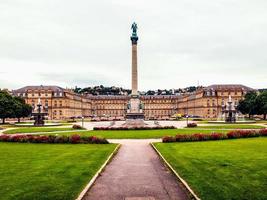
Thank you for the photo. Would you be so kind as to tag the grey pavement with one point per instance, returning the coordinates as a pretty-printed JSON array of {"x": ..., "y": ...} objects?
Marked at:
[{"x": 136, "y": 172}]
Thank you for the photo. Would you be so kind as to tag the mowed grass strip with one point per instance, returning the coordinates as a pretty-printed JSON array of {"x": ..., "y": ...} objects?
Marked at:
[
  {"x": 48, "y": 171},
  {"x": 139, "y": 134},
  {"x": 232, "y": 126},
  {"x": 226, "y": 169},
  {"x": 37, "y": 129}
]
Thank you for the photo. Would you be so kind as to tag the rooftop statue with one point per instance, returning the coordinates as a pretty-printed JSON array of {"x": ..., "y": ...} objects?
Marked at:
[{"x": 134, "y": 28}]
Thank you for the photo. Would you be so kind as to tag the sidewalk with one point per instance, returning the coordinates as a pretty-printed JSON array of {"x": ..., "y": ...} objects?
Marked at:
[{"x": 136, "y": 173}]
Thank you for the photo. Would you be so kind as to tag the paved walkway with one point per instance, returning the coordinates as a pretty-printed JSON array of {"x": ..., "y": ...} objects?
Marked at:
[{"x": 136, "y": 173}]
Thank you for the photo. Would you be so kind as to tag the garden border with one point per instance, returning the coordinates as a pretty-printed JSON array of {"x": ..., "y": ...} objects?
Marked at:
[
  {"x": 92, "y": 181},
  {"x": 185, "y": 184}
]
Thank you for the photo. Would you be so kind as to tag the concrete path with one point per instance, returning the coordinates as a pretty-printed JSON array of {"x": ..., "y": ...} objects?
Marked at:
[{"x": 136, "y": 173}]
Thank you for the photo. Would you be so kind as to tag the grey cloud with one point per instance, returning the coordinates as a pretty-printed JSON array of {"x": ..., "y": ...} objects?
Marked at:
[{"x": 88, "y": 41}]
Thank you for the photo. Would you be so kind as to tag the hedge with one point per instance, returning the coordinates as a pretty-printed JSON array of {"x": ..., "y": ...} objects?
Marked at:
[
  {"x": 215, "y": 136},
  {"x": 73, "y": 139}
]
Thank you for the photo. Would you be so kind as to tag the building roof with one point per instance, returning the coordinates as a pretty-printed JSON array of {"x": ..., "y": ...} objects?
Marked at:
[
  {"x": 228, "y": 87},
  {"x": 40, "y": 87}
]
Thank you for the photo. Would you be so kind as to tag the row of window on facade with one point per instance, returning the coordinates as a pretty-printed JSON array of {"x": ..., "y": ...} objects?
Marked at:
[
  {"x": 213, "y": 93},
  {"x": 46, "y": 103},
  {"x": 213, "y": 103},
  {"x": 39, "y": 94},
  {"x": 59, "y": 112},
  {"x": 209, "y": 111}
]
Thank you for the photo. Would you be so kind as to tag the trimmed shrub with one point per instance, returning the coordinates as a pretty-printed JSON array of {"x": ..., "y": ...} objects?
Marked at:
[
  {"x": 215, "y": 136},
  {"x": 76, "y": 126},
  {"x": 263, "y": 132},
  {"x": 191, "y": 125},
  {"x": 242, "y": 134},
  {"x": 74, "y": 139},
  {"x": 167, "y": 139}
]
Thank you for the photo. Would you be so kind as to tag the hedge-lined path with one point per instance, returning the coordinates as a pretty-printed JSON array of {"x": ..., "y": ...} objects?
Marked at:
[{"x": 136, "y": 172}]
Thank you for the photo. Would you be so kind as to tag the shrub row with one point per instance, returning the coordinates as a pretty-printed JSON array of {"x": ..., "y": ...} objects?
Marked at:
[
  {"x": 135, "y": 128},
  {"x": 73, "y": 139},
  {"x": 215, "y": 136}
]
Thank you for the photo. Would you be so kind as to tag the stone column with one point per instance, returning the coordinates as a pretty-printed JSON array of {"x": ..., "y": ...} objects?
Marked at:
[{"x": 134, "y": 70}]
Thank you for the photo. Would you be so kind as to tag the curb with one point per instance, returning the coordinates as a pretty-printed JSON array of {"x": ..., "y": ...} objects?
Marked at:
[
  {"x": 185, "y": 184},
  {"x": 92, "y": 181}
]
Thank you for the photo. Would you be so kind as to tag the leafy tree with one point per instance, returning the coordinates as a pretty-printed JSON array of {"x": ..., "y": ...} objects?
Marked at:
[
  {"x": 248, "y": 105},
  {"x": 254, "y": 104},
  {"x": 262, "y": 104},
  {"x": 13, "y": 107},
  {"x": 21, "y": 109},
  {"x": 6, "y": 105}
]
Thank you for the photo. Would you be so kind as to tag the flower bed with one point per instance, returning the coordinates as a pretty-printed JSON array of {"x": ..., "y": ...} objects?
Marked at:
[
  {"x": 215, "y": 136},
  {"x": 73, "y": 139},
  {"x": 135, "y": 128}
]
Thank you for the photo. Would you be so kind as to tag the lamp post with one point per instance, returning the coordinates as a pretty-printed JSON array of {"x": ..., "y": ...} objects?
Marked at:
[{"x": 82, "y": 121}]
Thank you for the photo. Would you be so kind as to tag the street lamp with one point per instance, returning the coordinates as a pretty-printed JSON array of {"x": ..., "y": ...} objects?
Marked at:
[{"x": 82, "y": 121}]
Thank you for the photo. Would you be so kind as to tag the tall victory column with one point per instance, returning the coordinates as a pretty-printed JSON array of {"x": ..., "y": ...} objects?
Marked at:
[
  {"x": 134, "y": 39},
  {"x": 134, "y": 107}
]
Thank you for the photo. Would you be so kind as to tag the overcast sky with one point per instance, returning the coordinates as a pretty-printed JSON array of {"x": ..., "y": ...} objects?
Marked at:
[{"x": 181, "y": 42}]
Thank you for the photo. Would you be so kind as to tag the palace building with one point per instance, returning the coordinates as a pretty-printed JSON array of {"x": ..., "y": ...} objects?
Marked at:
[{"x": 63, "y": 103}]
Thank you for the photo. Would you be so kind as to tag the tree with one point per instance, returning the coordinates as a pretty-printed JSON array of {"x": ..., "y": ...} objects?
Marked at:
[
  {"x": 254, "y": 104},
  {"x": 248, "y": 105},
  {"x": 21, "y": 109},
  {"x": 6, "y": 105},
  {"x": 13, "y": 107},
  {"x": 262, "y": 104}
]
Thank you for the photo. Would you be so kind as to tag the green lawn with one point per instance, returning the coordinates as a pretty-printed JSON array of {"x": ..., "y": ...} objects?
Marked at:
[
  {"x": 232, "y": 126},
  {"x": 48, "y": 171},
  {"x": 228, "y": 169},
  {"x": 37, "y": 129},
  {"x": 139, "y": 134}
]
